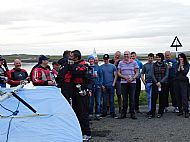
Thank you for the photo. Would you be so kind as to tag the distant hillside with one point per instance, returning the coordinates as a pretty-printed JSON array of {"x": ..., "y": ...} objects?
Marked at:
[
  {"x": 34, "y": 58},
  {"x": 28, "y": 58}
]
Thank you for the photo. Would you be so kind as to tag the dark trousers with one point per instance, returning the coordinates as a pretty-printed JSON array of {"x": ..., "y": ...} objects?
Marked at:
[
  {"x": 137, "y": 93},
  {"x": 128, "y": 91},
  {"x": 170, "y": 89},
  {"x": 162, "y": 97},
  {"x": 182, "y": 95},
  {"x": 80, "y": 106},
  {"x": 66, "y": 90},
  {"x": 118, "y": 92}
]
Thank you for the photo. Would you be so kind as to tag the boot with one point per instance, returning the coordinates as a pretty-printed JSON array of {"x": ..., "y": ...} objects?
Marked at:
[{"x": 186, "y": 115}]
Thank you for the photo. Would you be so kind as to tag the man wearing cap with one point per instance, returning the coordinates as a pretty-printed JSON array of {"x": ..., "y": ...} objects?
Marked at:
[
  {"x": 109, "y": 79},
  {"x": 3, "y": 72},
  {"x": 42, "y": 74},
  {"x": 96, "y": 90}
]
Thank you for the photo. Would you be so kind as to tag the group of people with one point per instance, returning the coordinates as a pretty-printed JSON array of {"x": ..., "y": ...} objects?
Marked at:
[{"x": 90, "y": 87}]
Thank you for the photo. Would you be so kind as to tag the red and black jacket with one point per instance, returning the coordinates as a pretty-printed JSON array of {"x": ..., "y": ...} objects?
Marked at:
[
  {"x": 15, "y": 76},
  {"x": 64, "y": 75},
  {"x": 81, "y": 74},
  {"x": 41, "y": 76}
]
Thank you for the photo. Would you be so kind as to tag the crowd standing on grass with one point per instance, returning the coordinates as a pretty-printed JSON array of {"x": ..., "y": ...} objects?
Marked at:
[{"x": 90, "y": 88}]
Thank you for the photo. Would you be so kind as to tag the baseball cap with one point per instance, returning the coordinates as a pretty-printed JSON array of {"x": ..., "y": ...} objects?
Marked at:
[
  {"x": 43, "y": 57},
  {"x": 106, "y": 56}
]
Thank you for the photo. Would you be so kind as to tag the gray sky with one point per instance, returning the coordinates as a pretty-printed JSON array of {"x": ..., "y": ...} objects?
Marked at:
[{"x": 52, "y": 26}]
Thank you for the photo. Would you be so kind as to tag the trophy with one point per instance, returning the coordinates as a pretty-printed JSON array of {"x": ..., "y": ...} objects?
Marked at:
[{"x": 81, "y": 92}]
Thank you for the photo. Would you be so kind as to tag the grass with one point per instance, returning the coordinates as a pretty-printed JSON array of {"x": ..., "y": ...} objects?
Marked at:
[{"x": 142, "y": 99}]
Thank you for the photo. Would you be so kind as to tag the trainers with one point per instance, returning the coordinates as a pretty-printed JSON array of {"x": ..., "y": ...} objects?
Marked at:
[
  {"x": 148, "y": 113},
  {"x": 97, "y": 117},
  {"x": 176, "y": 110},
  {"x": 151, "y": 116},
  {"x": 159, "y": 115},
  {"x": 179, "y": 113},
  {"x": 166, "y": 109},
  {"x": 90, "y": 117},
  {"x": 86, "y": 138}
]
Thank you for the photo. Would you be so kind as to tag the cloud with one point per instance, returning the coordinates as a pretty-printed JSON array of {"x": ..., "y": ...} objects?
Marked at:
[{"x": 102, "y": 24}]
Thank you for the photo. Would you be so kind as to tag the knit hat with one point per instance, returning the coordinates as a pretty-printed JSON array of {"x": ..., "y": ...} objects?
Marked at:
[{"x": 90, "y": 57}]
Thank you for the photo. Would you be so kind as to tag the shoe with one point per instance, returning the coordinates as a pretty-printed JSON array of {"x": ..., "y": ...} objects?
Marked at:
[
  {"x": 148, "y": 113},
  {"x": 159, "y": 115},
  {"x": 166, "y": 109},
  {"x": 186, "y": 115},
  {"x": 86, "y": 138},
  {"x": 179, "y": 113},
  {"x": 151, "y": 116},
  {"x": 90, "y": 117},
  {"x": 122, "y": 116},
  {"x": 176, "y": 110},
  {"x": 104, "y": 115},
  {"x": 133, "y": 116},
  {"x": 97, "y": 117},
  {"x": 114, "y": 115}
]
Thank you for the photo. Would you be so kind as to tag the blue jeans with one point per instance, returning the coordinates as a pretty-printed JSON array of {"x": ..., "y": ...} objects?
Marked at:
[
  {"x": 148, "y": 89},
  {"x": 96, "y": 94},
  {"x": 108, "y": 93}
]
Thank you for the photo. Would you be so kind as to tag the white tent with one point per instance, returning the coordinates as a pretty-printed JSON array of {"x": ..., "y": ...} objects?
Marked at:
[{"x": 57, "y": 121}]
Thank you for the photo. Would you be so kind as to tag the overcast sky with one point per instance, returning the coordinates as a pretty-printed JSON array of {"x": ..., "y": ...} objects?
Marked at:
[{"x": 52, "y": 26}]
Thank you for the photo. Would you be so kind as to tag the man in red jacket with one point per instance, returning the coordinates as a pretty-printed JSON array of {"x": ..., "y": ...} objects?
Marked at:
[
  {"x": 42, "y": 74},
  {"x": 17, "y": 75}
]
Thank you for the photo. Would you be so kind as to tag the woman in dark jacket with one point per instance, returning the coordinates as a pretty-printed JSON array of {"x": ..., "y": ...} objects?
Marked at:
[
  {"x": 159, "y": 78},
  {"x": 182, "y": 83}
]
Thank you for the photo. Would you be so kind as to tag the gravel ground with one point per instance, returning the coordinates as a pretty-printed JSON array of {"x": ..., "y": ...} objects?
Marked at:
[{"x": 169, "y": 128}]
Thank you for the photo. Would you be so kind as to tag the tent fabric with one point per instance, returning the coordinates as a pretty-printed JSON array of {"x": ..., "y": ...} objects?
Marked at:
[{"x": 60, "y": 123}]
